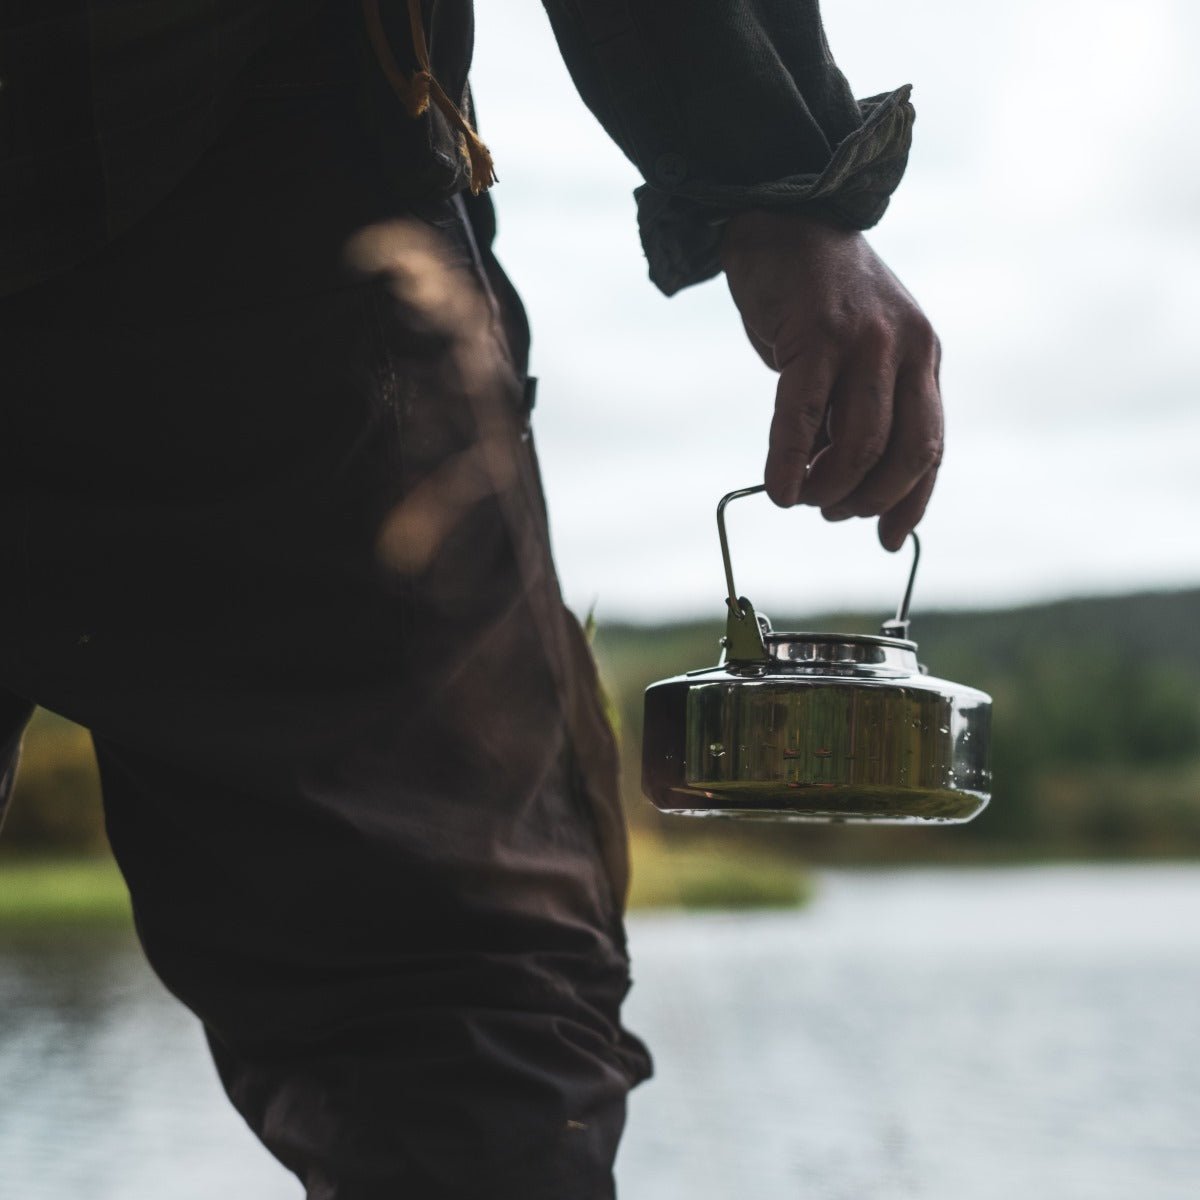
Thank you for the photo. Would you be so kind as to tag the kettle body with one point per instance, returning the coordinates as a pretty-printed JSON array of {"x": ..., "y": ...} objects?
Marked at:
[
  {"x": 830, "y": 727},
  {"x": 816, "y": 726}
]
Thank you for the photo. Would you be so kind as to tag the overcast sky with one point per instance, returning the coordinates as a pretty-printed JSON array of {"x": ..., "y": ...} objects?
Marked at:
[{"x": 1049, "y": 223}]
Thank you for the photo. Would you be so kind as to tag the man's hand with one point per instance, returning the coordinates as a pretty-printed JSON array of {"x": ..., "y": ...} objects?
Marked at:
[{"x": 858, "y": 415}]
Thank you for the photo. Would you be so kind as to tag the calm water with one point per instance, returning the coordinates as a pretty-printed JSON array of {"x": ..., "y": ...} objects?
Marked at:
[{"x": 947, "y": 1035}]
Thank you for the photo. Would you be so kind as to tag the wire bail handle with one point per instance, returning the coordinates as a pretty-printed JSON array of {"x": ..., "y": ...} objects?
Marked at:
[{"x": 740, "y": 608}]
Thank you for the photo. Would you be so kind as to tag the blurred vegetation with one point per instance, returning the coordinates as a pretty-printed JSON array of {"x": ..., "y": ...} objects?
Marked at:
[
  {"x": 39, "y": 892},
  {"x": 704, "y": 875},
  {"x": 55, "y": 807},
  {"x": 1096, "y": 754}
]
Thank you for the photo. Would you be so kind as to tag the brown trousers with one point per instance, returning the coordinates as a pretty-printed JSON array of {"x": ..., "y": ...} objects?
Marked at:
[{"x": 271, "y": 528}]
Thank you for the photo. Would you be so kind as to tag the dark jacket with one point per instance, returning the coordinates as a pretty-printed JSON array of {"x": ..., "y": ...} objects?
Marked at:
[{"x": 105, "y": 105}]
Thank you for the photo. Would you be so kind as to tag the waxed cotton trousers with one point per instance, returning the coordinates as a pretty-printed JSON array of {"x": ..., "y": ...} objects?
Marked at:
[{"x": 271, "y": 528}]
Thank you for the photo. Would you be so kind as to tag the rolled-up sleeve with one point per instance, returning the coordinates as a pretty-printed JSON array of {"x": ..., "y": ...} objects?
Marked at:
[{"x": 725, "y": 105}]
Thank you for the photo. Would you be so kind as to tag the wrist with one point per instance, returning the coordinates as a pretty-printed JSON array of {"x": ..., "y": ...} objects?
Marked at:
[{"x": 763, "y": 230}]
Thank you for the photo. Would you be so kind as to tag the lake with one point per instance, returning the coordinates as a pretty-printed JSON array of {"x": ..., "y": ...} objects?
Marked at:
[{"x": 934, "y": 1034}]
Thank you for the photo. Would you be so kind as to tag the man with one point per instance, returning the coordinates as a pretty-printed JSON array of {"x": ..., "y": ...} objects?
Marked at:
[{"x": 273, "y": 531}]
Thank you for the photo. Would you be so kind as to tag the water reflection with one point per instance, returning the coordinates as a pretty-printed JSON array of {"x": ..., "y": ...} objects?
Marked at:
[
  {"x": 949, "y": 1035},
  {"x": 105, "y": 1086}
]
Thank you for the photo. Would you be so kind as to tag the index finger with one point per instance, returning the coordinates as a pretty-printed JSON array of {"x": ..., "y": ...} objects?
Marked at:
[{"x": 801, "y": 398}]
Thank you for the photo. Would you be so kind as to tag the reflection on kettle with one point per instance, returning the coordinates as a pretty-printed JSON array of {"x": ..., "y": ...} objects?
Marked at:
[{"x": 816, "y": 726}]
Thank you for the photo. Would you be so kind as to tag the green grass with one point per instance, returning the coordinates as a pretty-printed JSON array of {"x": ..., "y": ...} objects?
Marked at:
[
  {"x": 36, "y": 893},
  {"x": 711, "y": 877}
]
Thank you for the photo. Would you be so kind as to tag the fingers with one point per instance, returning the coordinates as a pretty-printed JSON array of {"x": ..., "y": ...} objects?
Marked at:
[
  {"x": 857, "y": 423},
  {"x": 882, "y": 437},
  {"x": 913, "y": 453},
  {"x": 899, "y": 521},
  {"x": 860, "y": 420},
  {"x": 797, "y": 426}
]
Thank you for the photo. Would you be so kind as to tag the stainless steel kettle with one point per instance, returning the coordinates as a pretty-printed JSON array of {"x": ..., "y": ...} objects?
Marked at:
[{"x": 816, "y": 726}]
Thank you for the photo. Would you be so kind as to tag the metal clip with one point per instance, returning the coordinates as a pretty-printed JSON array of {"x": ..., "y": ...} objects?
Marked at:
[{"x": 743, "y": 634}]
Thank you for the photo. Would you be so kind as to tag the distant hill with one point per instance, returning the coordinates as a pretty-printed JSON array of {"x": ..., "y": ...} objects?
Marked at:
[{"x": 1157, "y": 625}]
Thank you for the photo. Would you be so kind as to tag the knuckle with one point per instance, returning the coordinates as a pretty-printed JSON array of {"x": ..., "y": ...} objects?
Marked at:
[
  {"x": 923, "y": 338},
  {"x": 799, "y": 426},
  {"x": 877, "y": 397},
  {"x": 878, "y": 336},
  {"x": 809, "y": 418},
  {"x": 867, "y": 453},
  {"x": 846, "y": 317},
  {"x": 836, "y": 324},
  {"x": 924, "y": 456},
  {"x": 790, "y": 450}
]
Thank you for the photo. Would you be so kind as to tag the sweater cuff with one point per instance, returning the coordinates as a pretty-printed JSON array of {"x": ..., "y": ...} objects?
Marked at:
[{"x": 681, "y": 227}]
